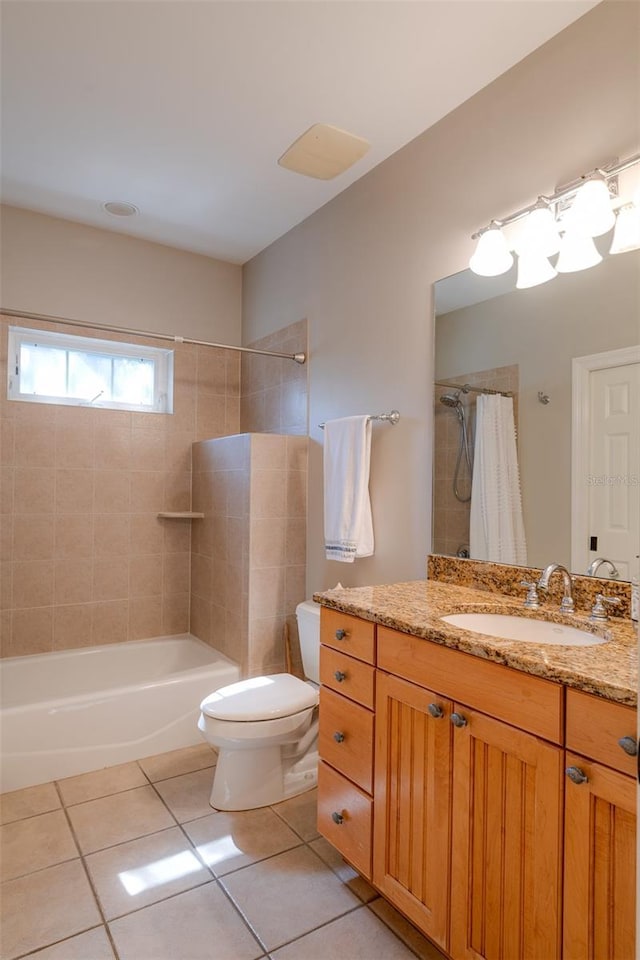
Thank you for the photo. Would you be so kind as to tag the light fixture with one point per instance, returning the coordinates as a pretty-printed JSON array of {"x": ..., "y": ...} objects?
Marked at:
[
  {"x": 533, "y": 269},
  {"x": 591, "y": 211},
  {"x": 577, "y": 252},
  {"x": 581, "y": 210},
  {"x": 120, "y": 208},
  {"x": 626, "y": 235},
  {"x": 540, "y": 234},
  {"x": 492, "y": 256}
]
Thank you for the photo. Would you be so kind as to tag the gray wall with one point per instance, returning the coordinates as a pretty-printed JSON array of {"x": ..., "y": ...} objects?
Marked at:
[
  {"x": 70, "y": 270},
  {"x": 362, "y": 268}
]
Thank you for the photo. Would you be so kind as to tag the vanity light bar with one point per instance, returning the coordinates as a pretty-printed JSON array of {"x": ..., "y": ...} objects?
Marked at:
[{"x": 608, "y": 173}]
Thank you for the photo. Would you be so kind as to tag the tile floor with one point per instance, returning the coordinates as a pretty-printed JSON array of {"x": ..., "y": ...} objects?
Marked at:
[{"x": 131, "y": 863}]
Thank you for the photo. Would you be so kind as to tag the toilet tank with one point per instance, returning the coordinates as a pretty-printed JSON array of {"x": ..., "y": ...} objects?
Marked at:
[{"x": 308, "y": 616}]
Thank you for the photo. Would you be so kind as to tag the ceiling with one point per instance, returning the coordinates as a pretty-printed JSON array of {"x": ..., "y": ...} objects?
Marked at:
[{"x": 183, "y": 108}]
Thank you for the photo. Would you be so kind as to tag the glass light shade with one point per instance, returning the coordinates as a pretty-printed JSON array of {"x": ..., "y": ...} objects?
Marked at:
[
  {"x": 626, "y": 235},
  {"x": 577, "y": 252},
  {"x": 591, "y": 211},
  {"x": 539, "y": 234},
  {"x": 492, "y": 256},
  {"x": 533, "y": 269}
]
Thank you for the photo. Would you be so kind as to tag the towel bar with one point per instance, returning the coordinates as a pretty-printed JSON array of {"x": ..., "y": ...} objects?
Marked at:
[{"x": 392, "y": 418}]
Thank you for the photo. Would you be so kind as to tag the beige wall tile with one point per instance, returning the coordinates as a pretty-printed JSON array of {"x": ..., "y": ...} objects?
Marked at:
[
  {"x": 146, "y": 534},
  {"x": 200, "y": 618},
  {"x": 7, "y": 442},
  {"x": 34, "y": 445},
  {"x": 268, "y": 493},
  {"x": 32, "y": 631},
  {"x": 176, "y": 536},
  {"x": 73, "y": 537},
  {"x": 145, "y": 576},
  {"x": 111, "y": 535},
  {"x": 147, "y": 450},
  {"x": 297, "y": 493},
  {"x": 267, "y": 543},
  {"x": 74, "y": 446},
  {"x": 175, "y": 614},
  {"x": 73, "y": 581},
  {"x": 33, "y": 490},
  {"x": 113, "y": 448},
  {"x": 201, "y": 571},
  {"x": 33, "y": 537},
  {"x": 177, "y": 491},
  {"x": 72, "y": 626},
  {"x": 110, "y": 621},
  {"x": 268, "y": 452},
  {"x": 6, "y": 538},
  {"x": 267, "y": 596},
  {"x": 176, "y": 573},
  {"x": 145, "y": 617},
  {"x": 74, "y": 491},
  {"x": 147, "y": 491},
  {"x": 6, "y": 585},
  {"x": 32, "y": 583},
  {"x": 110, "y": 580},
  {"x": 113, "y": 491}
]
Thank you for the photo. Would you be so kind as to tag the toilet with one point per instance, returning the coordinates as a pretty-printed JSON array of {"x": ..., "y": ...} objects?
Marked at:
[{"x": 265, "y": 729}]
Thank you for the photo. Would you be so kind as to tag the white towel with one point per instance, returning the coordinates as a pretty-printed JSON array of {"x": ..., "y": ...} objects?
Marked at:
[
  {"x": 496, "y": 528},
  {"x": 348, "y": 526}
]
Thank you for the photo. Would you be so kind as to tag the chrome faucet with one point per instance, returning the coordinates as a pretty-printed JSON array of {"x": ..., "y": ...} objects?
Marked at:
[
  {"x": 567, "y": 605},
  {"x": 595, "y": 565}
]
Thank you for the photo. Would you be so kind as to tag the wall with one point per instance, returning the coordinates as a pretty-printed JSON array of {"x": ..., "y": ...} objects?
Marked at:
[
  {"x": 70, "y": 270},
  {"x": 274, "y": 392},
  {"x": 248, "y": 561},
  {"x": 543, "y": 328},
  {"x": 361, "y": 269}
]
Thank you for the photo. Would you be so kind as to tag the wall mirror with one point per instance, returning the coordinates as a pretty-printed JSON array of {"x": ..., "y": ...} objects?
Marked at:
[{"x": 524, "y": 342}]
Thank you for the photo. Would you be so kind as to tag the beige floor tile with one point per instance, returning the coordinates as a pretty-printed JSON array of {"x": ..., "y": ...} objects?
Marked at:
[
  {"x": 116, "y": 819},
  {"x": 174, "y": 764},
  {"x": 187, "y": 796},
  {"x": 228, "y": 841},
  {"x": 135, "y": 874},
  {"x": 29, "y": 802},
  {"x": 101, "y": 783},
  {"x": 422, "y": 947},
  {"x": 28, "y": 845},
  {"x": 198, "y": 925},
  {"x": 357, "y": 884},
  {"x": 92, "y": 945},
  {"x": 301, "y": 813},
  {"x": 45, "y": 907},
  {"x": 288, "y": 895},
  {"x": 357, "y": 936}
]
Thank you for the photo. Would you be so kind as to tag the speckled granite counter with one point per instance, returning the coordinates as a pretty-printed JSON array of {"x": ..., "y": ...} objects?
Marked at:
[{"x": 609, "y": 670}]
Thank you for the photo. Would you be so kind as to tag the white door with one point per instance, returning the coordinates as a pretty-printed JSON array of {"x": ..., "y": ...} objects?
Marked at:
[{"x": 614, "y": 467}]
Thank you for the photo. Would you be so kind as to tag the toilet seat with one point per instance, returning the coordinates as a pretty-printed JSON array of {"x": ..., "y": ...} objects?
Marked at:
[{"x": 260, "y": 698}]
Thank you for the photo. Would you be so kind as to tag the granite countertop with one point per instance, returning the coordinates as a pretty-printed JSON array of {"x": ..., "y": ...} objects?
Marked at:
[{"x": 608, "y": 670}]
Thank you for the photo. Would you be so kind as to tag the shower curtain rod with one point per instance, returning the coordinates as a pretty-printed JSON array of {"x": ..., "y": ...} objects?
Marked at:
[
  {"x": 467, "y": 388},
  {"x": 22, "y": 315}
]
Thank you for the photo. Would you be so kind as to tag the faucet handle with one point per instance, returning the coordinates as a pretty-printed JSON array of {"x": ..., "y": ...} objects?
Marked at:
[
  {"x": 599, "y": 611},
  {"x": 532, "y": 601}
]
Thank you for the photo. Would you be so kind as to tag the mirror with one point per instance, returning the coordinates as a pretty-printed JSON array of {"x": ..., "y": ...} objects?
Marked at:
[{"x": 490, "y": 335}]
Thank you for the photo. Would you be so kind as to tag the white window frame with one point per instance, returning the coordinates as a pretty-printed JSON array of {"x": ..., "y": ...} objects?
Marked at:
[{"x": 162, "y": 359}]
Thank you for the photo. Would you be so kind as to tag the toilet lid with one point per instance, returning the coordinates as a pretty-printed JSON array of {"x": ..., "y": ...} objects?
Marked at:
[{"x": 260, "y": 698}]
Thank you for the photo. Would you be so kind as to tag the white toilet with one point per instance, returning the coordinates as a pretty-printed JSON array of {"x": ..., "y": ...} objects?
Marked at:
[{"x": 266, "y": 729}]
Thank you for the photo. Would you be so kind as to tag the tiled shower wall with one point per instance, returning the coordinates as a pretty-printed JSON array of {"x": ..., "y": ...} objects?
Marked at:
[
  {"x": 249, "y": 551},
  {"x": 85, "y": 558},
  {"x": 450, "y": 516},
  {"x": 274, "y": 391}
]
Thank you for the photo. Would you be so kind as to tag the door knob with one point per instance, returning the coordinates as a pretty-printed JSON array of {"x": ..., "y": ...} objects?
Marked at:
[
  {"x": 338, "y": 736},
  {"x": 337, "y": 818},
  {"x": 435, "y": 710},
  {"x": 629, "y": 745},
  {"x": 576, "y": 775},
  {"x": 458, "y": 720},
  {"x": 341, "y": 634},
  {"x": 340, "y": 676}
]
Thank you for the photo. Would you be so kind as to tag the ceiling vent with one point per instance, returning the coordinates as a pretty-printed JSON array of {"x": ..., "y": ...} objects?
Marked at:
[
  {"x": 119, "y": 208},
  {"x": 323, "y": 152}
]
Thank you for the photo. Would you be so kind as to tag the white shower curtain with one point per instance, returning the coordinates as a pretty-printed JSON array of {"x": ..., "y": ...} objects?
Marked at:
[{"x": 496, "y": 525}]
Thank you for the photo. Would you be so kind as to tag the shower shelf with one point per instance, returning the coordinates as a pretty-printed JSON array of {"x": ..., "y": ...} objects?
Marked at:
[{"x": 182, "y": 515}]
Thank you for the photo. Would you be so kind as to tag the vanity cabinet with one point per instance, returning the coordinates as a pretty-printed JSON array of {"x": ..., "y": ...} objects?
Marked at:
[
  {"x": 467, "y": 807},
  {"x": 600, "y": 830},
  {"x": 345, "y": 737}
]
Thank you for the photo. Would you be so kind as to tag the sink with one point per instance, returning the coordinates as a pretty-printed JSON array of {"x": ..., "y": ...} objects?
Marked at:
[{"x": 523, "y": 628}]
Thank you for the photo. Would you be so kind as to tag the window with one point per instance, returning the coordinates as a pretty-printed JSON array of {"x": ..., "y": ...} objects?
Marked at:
[{"x": 47, "y": 367}]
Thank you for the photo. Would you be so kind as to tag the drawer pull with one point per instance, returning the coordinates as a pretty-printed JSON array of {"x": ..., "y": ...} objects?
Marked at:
[
  {"x": 337, "y": 818},
  {"x": 341, "y": 634},
  {"x": 338, "y": 736},
  {"x": 458, "y": 720},
  {"x": 340, "y": 676},
  {"x": 576, "y": 775},
  {"x": 435, "y": 710},
  {"x": 629, "y": 745}
]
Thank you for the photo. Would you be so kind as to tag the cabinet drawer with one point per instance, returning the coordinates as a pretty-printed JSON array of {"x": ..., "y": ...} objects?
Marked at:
[
  {"x": 346, "y": 738},
  {"x": 347, "y": 676},
  {"x": 527, "y": 702},
  {"x": 595, "y": 727},
  {"x": 348, "y": 634},
  {"x": 339, "y": 800}
]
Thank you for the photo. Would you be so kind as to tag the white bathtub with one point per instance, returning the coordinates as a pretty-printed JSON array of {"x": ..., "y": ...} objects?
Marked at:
[{"x": 79, "y": 710}]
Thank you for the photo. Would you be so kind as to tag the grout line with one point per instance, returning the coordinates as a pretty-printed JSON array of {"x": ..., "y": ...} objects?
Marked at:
[{"x": 55, "y": 943}]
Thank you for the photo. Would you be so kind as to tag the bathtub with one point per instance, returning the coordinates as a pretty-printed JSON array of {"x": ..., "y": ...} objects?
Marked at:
[{"x": 79, "y": 710}]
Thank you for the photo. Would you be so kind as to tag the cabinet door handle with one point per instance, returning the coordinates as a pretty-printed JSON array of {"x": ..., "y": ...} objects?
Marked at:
[
  {"x": 338, "y": 736},
  {"x": 341, "y": 634},
  {"x": 458, "y": 720},
  {"x": 576, "y": 775},
  {"x": 629, "y": 745},
  {"x": 435, "y": 710},
  {"x": 340, "y": 676},
  {"x": 337, "y": 818}
]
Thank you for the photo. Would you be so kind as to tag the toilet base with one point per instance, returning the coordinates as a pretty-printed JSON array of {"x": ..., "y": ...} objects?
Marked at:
[{"x": 247, "y": 779}]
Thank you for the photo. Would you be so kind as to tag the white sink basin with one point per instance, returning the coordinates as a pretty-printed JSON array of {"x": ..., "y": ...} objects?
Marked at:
[{"x": 523, "y": 628}]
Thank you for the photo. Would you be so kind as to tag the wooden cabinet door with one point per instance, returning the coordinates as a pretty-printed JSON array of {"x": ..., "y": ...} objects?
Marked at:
[
  {"x": 600, "y": 858},
  {"x": 412, "y": 801},
  {"x": 507, "y": 842}
]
